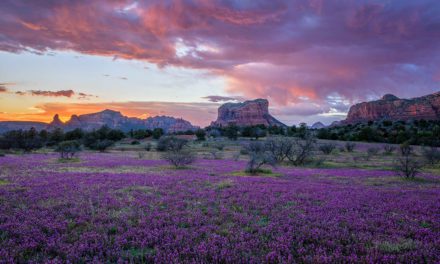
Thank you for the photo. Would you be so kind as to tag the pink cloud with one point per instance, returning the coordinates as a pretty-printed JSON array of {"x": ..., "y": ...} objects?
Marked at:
[{"x": 292, "y": 52}]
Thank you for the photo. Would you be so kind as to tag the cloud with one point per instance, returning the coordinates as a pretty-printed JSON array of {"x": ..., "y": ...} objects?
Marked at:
[
  {"x": 4, "y": 87},
  {"x": 218, "y": 98},
  {"x": 285, "y": 51},
  {"x": 61, "y": 93}
]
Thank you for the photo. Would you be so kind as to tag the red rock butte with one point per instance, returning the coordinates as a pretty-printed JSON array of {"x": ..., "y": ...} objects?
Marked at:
[
  {"x": 248, "y": 113},
  {"x": 390, "y": 107}
]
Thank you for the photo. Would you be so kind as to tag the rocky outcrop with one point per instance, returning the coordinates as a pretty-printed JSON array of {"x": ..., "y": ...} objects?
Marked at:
[
  {"x": 56, "y": 122},
  {"x": 169, "y": 124},
  {"x": 110, "y": 118},
  {"x": 317, "y": 125},
  {"x": 248, "y": 113},
  {"x": 390, "y": 107}
]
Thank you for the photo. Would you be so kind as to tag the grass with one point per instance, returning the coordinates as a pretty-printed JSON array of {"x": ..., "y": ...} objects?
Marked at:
[
  {"x": 397, "y": 247},
  {"x": 261, "y": 172},
  {"x": 3, "y": 182},
  {"x": 72, "y": 160}
]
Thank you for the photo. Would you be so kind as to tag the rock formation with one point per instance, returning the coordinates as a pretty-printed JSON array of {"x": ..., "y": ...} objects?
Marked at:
[
  {"x": 317, "y": 125},
  {"x": 390, "y": 107},
  {"x": 248, "y": 113},
  {"x": 110, "y": 118}
]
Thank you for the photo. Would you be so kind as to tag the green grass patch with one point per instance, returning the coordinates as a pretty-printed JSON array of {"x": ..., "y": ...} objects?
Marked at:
[
  {"x": 224, "y": 185},
  {"x": 73, "y": 160},
  {"x": 3, "y": 182},
  {"x": 397, "y": 247},
  {"x": 261, "y": 172}
]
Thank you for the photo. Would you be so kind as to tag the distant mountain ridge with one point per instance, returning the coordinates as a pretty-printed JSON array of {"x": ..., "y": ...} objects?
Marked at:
[{"x": 110, "y": 118}]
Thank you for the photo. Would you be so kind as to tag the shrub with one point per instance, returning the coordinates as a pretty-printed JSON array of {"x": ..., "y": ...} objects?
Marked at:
[
  {"x": 350, "y": 146},
  {"x": 68, "y": 149},
  {"x": 218, "y": 145},
  {"x": 102, "y": 145},
  {"x": 244, "y": 151},
  {"x": 279, "y": 147},
  {"x": 216, "y": 154},
  {"x": 157, "y": 133},
  {"x": 135, "y": 142},
  {"x": 179, "y": 158},
  {"x": 406, "y": 165},
  {"x": 431, "y": 155},
  {"x": 147, "y": 147},
  {"x": 258, "y": 156},
  {"x": 388, "y": 149},
  {"x": 302, "y": 150},
  {"x": 200, "y": 134},
  {"x": 373, "y": 151},
  {"x": 327, "y": 148},
  {"x": 171, "y": 144}
]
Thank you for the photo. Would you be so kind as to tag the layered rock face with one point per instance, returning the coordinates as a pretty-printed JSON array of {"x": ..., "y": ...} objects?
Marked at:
[
  {"x": 248, "y": 113},
  {"x": 390, "y": 107},
  {"x": 110, "y": 118}
]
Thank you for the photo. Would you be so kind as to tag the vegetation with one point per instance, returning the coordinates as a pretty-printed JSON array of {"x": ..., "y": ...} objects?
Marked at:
[
  {"x": 418, "y": 132},
  {"x": 68, "y": 149},
  {"x": 407, "y": 165}
]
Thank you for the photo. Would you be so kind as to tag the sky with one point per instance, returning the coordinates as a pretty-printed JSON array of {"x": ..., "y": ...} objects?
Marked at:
[{"x": 312, "y": 59}]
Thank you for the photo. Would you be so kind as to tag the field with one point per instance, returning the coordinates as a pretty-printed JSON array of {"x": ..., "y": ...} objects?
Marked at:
[{"x": 127, "y": 205}]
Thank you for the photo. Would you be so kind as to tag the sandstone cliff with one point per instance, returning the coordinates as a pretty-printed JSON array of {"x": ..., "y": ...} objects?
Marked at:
[
  {"x": 248, "y": 113},
  {"x": 390, "y": 107}
]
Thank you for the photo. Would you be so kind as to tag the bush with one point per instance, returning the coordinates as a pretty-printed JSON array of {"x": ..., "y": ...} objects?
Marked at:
[
  {"x": 279, "y": 147},
  {"x": 350, "y": 146},
  {"x": 147, "y": 147},
  {"x": 431, "y": 155},
  {"x": 216, "y": 154},
  {"x": 68, "y": 149},
  {"x": 180, "y": 158},
  {"x": 258, "y": 156},
  {"x": 135, "y": 142},
  {"x": 302, "y": 150},
  {"x": 373, "y": 151},
  {"x": 171, "y": 144},
  {"x": 327, "y": 148},
  {"x": 388, "y": 149},
  {"x": 218, "y": 145},
  {"x": 406, "y": 165},
  {"x": 102, "y": 145},
  {"x": 157, "y": 133},
  {"x": 201, "y": 134}
]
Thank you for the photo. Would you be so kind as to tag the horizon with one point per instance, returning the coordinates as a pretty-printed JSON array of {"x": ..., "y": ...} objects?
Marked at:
[{"x": 311, "y": 60}]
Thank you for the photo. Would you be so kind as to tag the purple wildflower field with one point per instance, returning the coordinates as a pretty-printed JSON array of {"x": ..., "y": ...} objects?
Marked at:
[{"x": 114, "y": 208}]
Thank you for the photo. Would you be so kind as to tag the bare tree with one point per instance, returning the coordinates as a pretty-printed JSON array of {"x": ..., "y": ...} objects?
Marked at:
[
  {"x": 431, "y": 155},
  {"x": 407, "y": 165},
  {"x": 327, "y": 148},
  {"x": 302, "y": 150},
  {"x": 258, "y": 156},
  {"x": 279, "y": 147}
]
